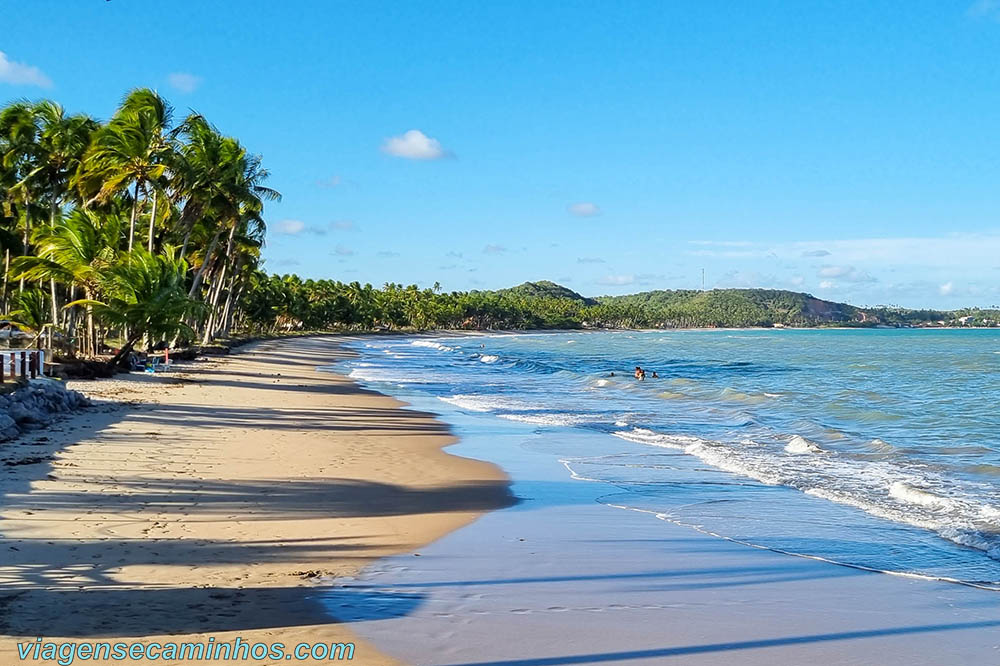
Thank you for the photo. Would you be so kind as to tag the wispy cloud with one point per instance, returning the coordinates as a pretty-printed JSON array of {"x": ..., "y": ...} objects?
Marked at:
[
  {"x": 342, "y": 251},
  {"x": 288, "y": 227},
  {"x": 946, "y": 289},
  {"x": 494, "y": 249},
  {"x": 923, "y": 252},
  {"x": 616, "y": 280},
  {"x": 20, "y": 74},
  {"x": 387, "y": 253},
  {"x": 329, "y": 183},
  {"x": 286, "y": 262},
  {"x": 184, "y": 82},
  {"x": 985, "y": 9},
  {"x": 457, "y": 255},
  {"x": 816, "y": 253},
  {"x": 845, "y": 273},
  {"x": 584, "y": 209},
  {"x": 414, "y": 145},
  {"x": 590, "y": 260},
  {"x": 343, "y": 225}
]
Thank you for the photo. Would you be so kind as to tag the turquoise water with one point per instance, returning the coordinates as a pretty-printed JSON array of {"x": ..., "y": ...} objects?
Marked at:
[{"x": 873, "y": 448}]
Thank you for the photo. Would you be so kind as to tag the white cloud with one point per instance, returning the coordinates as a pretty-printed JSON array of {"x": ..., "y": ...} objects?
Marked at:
[
  {"x": 716, "y": 243},
  {"x": 816, "y": 253},
  {"x": 946, "y": 289},
  {"x": 590, "y": 260},
  {"x": 289, "y": 227},
  {"x": 184, "y": 82},
  {"x": 286, "y": 262},
  {"x": 387, "y": 253},
  {"x": 585, "y": 209},
  {"x": 329, "y": 183},
  {"x": 20, "y": 74},
  {"x": 616, "y": 280},
  {"x": 985, "y": 9},
  {"x": 494, "y": 249},
  {"x": 846, "y": 273},
  {"x": 342, "y": 251},
  {"x": 343, "y": 225},
  {"x": 414, "y": 145},
  {"x": 826, "y": 284}
]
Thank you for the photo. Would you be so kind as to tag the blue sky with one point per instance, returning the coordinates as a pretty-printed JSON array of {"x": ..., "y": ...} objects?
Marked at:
[{"x": 845, "y": 148}]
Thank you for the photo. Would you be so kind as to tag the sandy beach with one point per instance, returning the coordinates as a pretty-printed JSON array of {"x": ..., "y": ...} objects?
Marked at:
[{"x": 208, "y": 501}]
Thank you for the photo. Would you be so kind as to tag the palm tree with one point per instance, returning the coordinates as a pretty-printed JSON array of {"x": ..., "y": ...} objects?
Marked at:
[
  {"x": 18, "y": 154},
  {"x": 132, "y": 150},
  {"x": 75, "y": 252},
  {"x": 62, "y": 142},
  {"x": 29, "y": 313},
  {"x": 144, "y": 294}
]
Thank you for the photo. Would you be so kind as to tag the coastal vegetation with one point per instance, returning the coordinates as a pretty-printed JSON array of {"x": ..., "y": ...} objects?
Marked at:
[
  {"x": 274, "y": 303},
  {"x": 147, "y": 229},
  {"x": 138, "y": 229}
]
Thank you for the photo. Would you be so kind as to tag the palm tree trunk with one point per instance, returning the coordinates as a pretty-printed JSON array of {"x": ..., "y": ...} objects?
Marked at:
[
  {"x": 71, "y": 322},
  {"x": 184, "y": 245},
  {"x": 204, "y": 264},
  {"x": 6, "y": 276},
  {"x": 125, "y": 350},
  {"x": 135, "y": 207},
  {"x": 213, "y": 316},
  {"x": 227, "y": 309},
  {"x": 91, "y": 333},
  {"x": 152, "y": 221},
  {"x": 53, "y": 209},
  {"x": 27, "y": 227}
]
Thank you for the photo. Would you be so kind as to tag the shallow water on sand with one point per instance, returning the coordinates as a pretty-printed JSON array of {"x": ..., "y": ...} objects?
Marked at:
[{"x": 878, "y": 449}]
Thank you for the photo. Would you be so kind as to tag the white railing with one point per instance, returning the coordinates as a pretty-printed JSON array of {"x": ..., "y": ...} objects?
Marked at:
[{"x": 27, "y": 363}]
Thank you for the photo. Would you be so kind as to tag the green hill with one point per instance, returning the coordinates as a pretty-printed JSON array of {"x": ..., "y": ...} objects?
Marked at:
[
  {"x": 729, "y": 308},
  {"x": 545, "y": 289}
]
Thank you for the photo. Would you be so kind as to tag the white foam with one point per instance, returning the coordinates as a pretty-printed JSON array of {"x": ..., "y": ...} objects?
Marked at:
[
  {"x": 374, "y": 373},
  {"x": 907, "y": 493},
  {"x": 602, "y": 382},
  {"x": 557, "y": 419},
  {"x": 990, "y": 513},
  {"x": 644, "y": 436},
  {"x": 881, "y": 446},
  {"x": 621, "y": 424},
  {"x": 432, "y": 345},
  {"x": 489, "y": 358},
  {"x": 487, "y": 403},
  {"x": 799, "y": 445}
]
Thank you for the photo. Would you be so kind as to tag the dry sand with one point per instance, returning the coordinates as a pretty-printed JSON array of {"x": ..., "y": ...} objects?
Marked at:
[{"x": 207, "y": 501}]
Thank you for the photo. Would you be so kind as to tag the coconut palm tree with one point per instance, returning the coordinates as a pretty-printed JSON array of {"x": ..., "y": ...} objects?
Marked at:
[
  {"x": 132, "y": 150},
  {"x": 144, "y": 294},
  {"x": 61, "y": 144},
  {"x": 75, "y": 252}
]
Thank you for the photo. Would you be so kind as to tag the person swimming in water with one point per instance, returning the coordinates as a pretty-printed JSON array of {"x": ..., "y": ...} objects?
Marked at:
[
  {"x": 655, "y": 376},
  {"x": 640, "y": 374}
]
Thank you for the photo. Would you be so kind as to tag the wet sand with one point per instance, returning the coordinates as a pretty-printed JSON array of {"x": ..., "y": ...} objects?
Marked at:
[{"x": 562, "y": 579}]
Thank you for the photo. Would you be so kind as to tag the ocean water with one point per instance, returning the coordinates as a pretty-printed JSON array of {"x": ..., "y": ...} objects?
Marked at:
[{"x": 871, "y": 448}]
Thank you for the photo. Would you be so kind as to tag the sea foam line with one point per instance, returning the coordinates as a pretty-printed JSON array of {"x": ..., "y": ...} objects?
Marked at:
[{"x": 697, "y": 528}]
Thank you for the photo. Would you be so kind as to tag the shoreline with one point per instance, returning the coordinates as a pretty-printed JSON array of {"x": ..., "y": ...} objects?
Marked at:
[{"x": 210, "y": 500}]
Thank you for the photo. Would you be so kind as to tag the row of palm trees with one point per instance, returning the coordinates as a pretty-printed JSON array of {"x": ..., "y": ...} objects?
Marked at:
[{"x": 135, "y": 229}]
